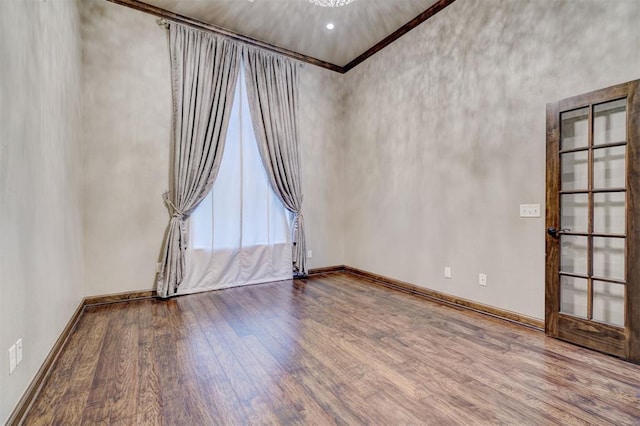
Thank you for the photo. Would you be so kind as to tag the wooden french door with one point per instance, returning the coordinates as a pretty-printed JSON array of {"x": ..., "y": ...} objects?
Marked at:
[{"x": 592, "y": 295}]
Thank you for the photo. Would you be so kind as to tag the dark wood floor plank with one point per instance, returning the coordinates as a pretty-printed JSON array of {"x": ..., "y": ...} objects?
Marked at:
[
  {"x": 124, "y": 383},
  {"x": 331, "y": 349},
  {"x": 227, "y": 404},
  {"x": 149, "y": 411}
]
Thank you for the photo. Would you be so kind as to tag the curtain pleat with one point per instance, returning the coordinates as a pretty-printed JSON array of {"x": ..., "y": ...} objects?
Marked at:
[
  {"x": 272, "y": 89},
  {"x": 204, "y": 71}
]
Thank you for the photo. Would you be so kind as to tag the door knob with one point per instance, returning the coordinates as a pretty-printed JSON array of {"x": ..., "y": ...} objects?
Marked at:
[{"x": 555, "y": 233}]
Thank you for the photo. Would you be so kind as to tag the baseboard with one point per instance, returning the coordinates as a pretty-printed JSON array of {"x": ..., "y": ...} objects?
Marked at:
[
  {"x": 17, "y": 415},
  {"x": 437, "y": 296},
  {"x": 326, "y": 270},
  {"x": 118, "y": 297},
  {"x": 22, "y": 408},
  {"x": 448, "y": 299}
]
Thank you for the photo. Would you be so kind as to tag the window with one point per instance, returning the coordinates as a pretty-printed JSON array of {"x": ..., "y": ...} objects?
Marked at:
[{"x": 240, "y": 233}]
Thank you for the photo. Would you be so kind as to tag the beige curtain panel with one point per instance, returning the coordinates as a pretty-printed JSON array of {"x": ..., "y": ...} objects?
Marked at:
[
  {"x": 204, "y": 72},
  {"x": 272, "y": 89}
]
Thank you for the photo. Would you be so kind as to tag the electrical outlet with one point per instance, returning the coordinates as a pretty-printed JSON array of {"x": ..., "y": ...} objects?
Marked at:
[
  {"x": 309, "y": 254},
  {"x": 482, "y": 279},
  {"x": 19, "y": 351},
  {"x": 12, "y": 358},
  {"x": 529, "y": 210},
  {"x": 447, "y": 272}
]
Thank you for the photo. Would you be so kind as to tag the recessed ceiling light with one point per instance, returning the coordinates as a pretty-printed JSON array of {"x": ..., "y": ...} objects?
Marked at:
[{"x": 330, "y": 26}]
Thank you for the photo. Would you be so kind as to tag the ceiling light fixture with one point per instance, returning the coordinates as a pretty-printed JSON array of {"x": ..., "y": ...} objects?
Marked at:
[
  {"x": 331, "y": 3},
  {"x": 330, "y": 26}
]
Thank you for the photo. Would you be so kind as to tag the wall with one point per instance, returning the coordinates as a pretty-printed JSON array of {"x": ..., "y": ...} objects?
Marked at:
[
  {"x": 40, "y": 173},
  {"x": 321, "y": 138},
  {"x": 127, "y": 118},
  {"x": 446, "y": 137},
  {"x": 127, "y": 106}
]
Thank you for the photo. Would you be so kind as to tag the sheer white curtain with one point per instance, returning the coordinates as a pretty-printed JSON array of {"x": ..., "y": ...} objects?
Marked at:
[{"x": 239, "y": 234}]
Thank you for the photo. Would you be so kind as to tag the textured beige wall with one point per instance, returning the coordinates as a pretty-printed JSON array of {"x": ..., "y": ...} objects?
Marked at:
[
  {"x": 127, "y": 107},
  {"x": 40, "y": 174},
  {"x": 321, "y": 138},
  {"x": 127, "y": 115},
  {"x": 446, "y": 137}
]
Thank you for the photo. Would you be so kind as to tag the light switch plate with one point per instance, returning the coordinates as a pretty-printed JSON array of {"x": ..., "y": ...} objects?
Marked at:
[
  {"x": 529, "y": 210},
  {"x": 447, "y": 272}
]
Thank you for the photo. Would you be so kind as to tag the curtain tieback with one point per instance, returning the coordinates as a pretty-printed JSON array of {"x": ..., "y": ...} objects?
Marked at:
[{"x": 175, "y": 212}]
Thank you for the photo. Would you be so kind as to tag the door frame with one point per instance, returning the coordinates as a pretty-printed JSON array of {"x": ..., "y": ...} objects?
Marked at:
[{"x": 622, "y": 342}]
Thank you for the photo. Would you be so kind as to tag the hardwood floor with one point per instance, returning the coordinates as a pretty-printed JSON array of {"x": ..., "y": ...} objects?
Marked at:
[{"x": 330, "y": 349}]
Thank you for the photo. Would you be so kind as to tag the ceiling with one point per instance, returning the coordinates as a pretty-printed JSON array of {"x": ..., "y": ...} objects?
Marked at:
[{"x": 300, "y": 26}]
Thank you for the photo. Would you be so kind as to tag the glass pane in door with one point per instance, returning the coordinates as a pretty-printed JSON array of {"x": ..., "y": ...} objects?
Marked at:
[
  {"x": 574, "y": 210},
  {"x": 608, "y": 258},
  {"x": 609, "y": 167},
  {"x": 608, "y": 302},
  {"x": 573, "y": 254},
  {"x": 609, "y": 212},
  {"x": 575, "y": 171},
  {"x": 573, "y": 296},
  {"x": 610, "y": 122},
  {"x": 575, "y": 129}
]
